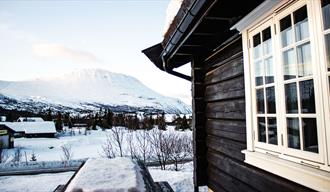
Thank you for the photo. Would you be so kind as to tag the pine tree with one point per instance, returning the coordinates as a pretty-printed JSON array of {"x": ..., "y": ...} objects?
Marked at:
[
  {"x": 95, "y": 121},
  {"x": 59, "y": 122},
  {"x": 109, "y": 118},
  {"x": 184, "y": 123},
  {"x": 49, "y": 116},
  {"x": 33, "y": 157},
  {"x": 161, "y": 122}
]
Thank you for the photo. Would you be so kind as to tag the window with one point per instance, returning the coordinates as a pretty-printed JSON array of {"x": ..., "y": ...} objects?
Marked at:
[
  {"x": 286, "y": 48},
  {"x": 288, "y": 66},
  {"x": 325, "y": 9}
]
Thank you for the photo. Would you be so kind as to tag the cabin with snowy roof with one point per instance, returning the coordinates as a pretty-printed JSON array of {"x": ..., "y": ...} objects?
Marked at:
[
  {"x": 260, "y": 87},
  {"x": 32, "y": 129}
]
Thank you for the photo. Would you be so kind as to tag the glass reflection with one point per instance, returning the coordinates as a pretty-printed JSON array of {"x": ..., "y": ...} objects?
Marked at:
[
  {"x": 270, "y": 95},
  {"x": 286, "y": 31},
  {"x": 291, "y": 102},
  {"x": 261, "y": 130},
  {"x": 293, "y": 133},
  {"x": 256, "y": 46},
  {"x": 269, "y": 78},
  {"x": 267, "y": 42},
  {"x": 307, "y": 98},
  {"x": 310, "y": 135},
  {"x": 304, "y": 60},
  {"x": 272, "y": 130},
  {"x": 327, "y": 46},
  {"x": 260, "y": 101},
  {"x": 289, "y": 65},
  {"x": 326, "y": 13},
  {"x": 301, "y": 23},
  {"x": 259, "y": 72}
]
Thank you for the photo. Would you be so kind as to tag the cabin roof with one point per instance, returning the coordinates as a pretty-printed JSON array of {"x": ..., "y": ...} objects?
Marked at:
[
  {"x": 31, "y": 127},
  {"x": 103, "y": 174},
  {"x": 200, "y": 28}
]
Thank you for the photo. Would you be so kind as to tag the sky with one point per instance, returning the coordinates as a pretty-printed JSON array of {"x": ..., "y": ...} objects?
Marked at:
[{"x": 44, "y": 38}]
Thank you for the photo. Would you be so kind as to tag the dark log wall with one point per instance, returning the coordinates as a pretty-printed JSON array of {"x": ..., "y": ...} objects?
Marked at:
[{"x": 225, "y": 129}]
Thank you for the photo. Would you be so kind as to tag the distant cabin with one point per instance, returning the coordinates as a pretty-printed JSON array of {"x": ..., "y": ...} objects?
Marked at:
[
  {"x": 30, "y": 119},
  {"x": 32, "y": 129},
  {"x": 6, "y": 137},
  {"x": 2, "y": 118}
]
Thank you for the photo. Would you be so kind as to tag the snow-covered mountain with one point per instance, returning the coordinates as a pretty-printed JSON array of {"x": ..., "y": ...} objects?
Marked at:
[{"x": 87, "y": 89}]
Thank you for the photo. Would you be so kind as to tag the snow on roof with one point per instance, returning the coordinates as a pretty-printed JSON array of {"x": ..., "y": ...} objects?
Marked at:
[
  {"x": 30, "y": 119},
  {"x": 172, "y": 10},
  {"x": 101, "y": 174},
  {"x": 32, "y": 127}
]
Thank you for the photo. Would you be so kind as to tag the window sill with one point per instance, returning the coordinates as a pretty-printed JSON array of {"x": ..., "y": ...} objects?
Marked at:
[{"x": 310, "y": 177}]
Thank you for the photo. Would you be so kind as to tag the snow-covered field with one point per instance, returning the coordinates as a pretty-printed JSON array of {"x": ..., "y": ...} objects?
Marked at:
[
  {"x": 33, "y": 183},
  {"x": 83, "y": 146}
]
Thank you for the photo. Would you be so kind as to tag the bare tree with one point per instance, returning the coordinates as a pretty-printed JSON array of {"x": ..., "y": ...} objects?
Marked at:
[
  {"x": 160, "y": 145},
  {"x": 107, "y": 148},
  {"x": 132, "y": 148},
  {"x": 67, "y": 152},
  {"x": 3, "y": 154},
  {"x": 118, "y": 137},
  {"x": 181, "y": 148},
  {"x": 17, "y": 157},
  {"x": 143, "y": 145}
]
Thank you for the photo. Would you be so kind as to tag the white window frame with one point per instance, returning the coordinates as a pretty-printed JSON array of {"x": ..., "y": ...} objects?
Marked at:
[{"x": 306, "y": 168}]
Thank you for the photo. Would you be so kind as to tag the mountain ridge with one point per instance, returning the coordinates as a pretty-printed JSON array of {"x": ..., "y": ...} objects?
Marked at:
[{"x": 89, "y": 89}]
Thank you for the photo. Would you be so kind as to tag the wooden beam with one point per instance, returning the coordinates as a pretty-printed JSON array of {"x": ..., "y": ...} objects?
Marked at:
[
  {"x": 219, "y": 18},
  {"x": 203, "y": 34}
]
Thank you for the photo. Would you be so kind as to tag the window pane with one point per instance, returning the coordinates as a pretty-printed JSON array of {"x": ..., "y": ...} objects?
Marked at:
[
  {"x": 310, "y": 135},
  {"x": 272, "y": 130},
  {"x": 326, "y": 13},
  {"x": 267, "y": 41},
  {"x": 256, "y": 46},
  {"x": 304, "y": 60},
  {"x": 269, "y": 78},
  {"x": 307, "y": 96},
  {"x": 259, "y": 72},
  {"x": 270, "y": 95},
  {"x": 260, "y": 101},
  {"x": 327, "y": 45},
  {"x": 261, "y": 130},
  {"x": 293, "y": 133},
  {"x": 291, "y": 102},
  {"x": 301, "y": 23},
  {"x": 289, "y": 65},
  {"x": 286, "y": 31}
]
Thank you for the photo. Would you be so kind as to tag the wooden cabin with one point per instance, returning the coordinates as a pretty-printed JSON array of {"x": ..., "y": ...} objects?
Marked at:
[
  {"x": 6, "y": 137},
  {"x": 260, "y": 87}
]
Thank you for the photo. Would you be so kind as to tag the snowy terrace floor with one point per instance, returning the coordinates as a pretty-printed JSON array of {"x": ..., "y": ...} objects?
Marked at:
[{"x": 83, "y": 147}]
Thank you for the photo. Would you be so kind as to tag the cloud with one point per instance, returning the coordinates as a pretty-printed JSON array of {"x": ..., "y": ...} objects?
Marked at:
[{"x": 53, "y": 50}]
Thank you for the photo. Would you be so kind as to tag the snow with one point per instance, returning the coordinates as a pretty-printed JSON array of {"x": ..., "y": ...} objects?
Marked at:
[
  {"x": 172, "y": 9},
  {"x": 32, "y": 127},
  {"x": 102, "y": 174},
  {"x": 33, "y": 183},
  {"x": 48, "y": 151},
  {"x": 180, "y": 181},
  {"x": 83, "y": 89}
]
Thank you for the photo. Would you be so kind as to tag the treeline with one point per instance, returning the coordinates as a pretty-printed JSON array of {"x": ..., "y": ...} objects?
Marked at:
[{"x": 106, "y": 119}]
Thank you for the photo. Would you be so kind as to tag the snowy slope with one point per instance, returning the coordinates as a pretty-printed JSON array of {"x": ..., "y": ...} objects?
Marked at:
[{"x": 91, "y": 88}]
